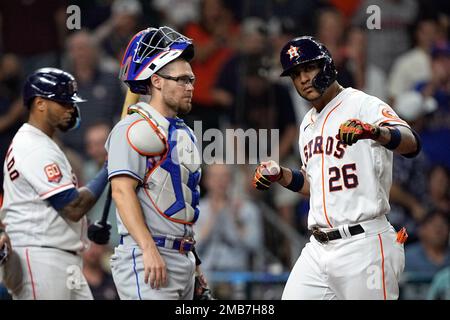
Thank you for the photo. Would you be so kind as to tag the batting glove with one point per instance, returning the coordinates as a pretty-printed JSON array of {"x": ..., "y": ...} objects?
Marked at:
[
  {"x": 265, "y": 174},
  {"x": 353, "y": 130},
  {"x": 99, "y": 232}
]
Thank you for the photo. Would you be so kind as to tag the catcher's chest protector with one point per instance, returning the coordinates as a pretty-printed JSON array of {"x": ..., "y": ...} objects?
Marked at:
[{"x": 172, "y": 179}]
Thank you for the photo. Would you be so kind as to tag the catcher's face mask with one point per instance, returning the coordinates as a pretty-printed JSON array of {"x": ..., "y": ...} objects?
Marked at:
[{"x": 149, "y": 51}]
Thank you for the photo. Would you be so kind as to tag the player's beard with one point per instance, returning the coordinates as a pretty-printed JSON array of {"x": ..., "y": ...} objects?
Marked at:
[
  {"x": 63, "y": 127},
  {"x": 182, "y": 106},
  {"x": 185, "y": 107},
  {"x": 308, "y": 98}
]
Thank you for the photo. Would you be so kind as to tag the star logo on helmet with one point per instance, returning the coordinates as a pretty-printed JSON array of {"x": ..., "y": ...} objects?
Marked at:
[{"x": 293, "y": 52}]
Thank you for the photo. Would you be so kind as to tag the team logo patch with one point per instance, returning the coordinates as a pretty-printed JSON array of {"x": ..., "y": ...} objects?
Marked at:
[
  {"x": 389, "y": 113},
  {"x": 53, "y": 173},
  {"x": 293, "y": 52}
]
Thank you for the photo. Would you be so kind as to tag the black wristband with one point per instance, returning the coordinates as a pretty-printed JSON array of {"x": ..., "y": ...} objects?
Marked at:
[
  {"x": 396, "y": 138},
  {"x": 297, "y": 181},
  {"x": 197, "y": 259}
]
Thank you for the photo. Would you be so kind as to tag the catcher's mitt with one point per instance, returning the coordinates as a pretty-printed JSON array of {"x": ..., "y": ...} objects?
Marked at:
[{"x": 201, "y": 289}]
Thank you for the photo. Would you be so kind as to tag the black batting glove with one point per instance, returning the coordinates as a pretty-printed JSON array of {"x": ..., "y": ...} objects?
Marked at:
[{"x": 99, "y": 232}]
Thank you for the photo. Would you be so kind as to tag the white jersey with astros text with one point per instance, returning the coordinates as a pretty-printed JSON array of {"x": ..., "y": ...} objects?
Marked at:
[
  {"x": 348, "y": 184},
  {"x": 35, "y": 169}
]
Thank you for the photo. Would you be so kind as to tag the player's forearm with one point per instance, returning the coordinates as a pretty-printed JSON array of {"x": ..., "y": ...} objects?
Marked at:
[
  {"x": 408, "y": 142},
  {"x": 286, "y": 179},
  {"x": 76, "y": 209},
  {"x": 130, "y": 212}
]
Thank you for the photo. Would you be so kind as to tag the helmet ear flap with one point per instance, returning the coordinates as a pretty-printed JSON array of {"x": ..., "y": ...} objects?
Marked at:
[
  {"x": 307, "y": 49},
  {"x": 75, "y": 121},
  {"x": 326, "y": 76}
]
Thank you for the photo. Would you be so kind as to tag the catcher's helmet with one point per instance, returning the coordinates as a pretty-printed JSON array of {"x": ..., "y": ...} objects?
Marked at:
[
  {"x": 307, "y": 49},
  {"x": 53, "y": 84},
  {"x": 150, "y": 50}
]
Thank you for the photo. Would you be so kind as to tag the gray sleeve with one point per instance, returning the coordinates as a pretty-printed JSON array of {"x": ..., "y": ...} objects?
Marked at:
[{"x": 122, "y": 158}]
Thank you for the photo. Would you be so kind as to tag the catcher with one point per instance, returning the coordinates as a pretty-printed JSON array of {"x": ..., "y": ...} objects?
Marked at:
[{"x": 154, "y": 169}]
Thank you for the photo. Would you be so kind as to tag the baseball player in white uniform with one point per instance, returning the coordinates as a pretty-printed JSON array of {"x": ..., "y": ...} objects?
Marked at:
[
  {"x": 43, "y": 209},
  {"x": 154, "y": 169},
  {"x": 346, "y": 143}
]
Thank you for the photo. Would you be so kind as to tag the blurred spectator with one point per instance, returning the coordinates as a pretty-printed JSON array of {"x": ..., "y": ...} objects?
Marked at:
[
  {"x": 229, "y": 88},
  {"x": 438, "y": 85},
  {"x": 409, "y": 181},
  {"x": 280, "y": 32},
  {"x": 437, "y": 136},
  {"x": 439, "y": 9},
  {"x": 403, "y": 76},
  {"x": 94, "y": 13},
  {"x": 386, "y": 44},
  {"x": 100, "y": 281},
  {"x": 177, "y": 13},
  {"x": 94, "y": 140},
  {"x": 299, "y": 11},
  {"x": 215, "y": 37},
  {"x": 229, "y": 231},
  {"x": 245, "y": 88},
  {"x": 11, "y": 106},
  {"x": 440, "y": 286},
  {"x": 330, "y": 31},
  {"x": 99, "y": 87},
  {"x": 431, "y": 253},
  {"x": 438, "y": 195},
  {"x": 346, "y": 8},
  {"x": 34, "y": 31},
  {"x": 367, "y": 76},
  {"x": 114, "y": 34}
]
